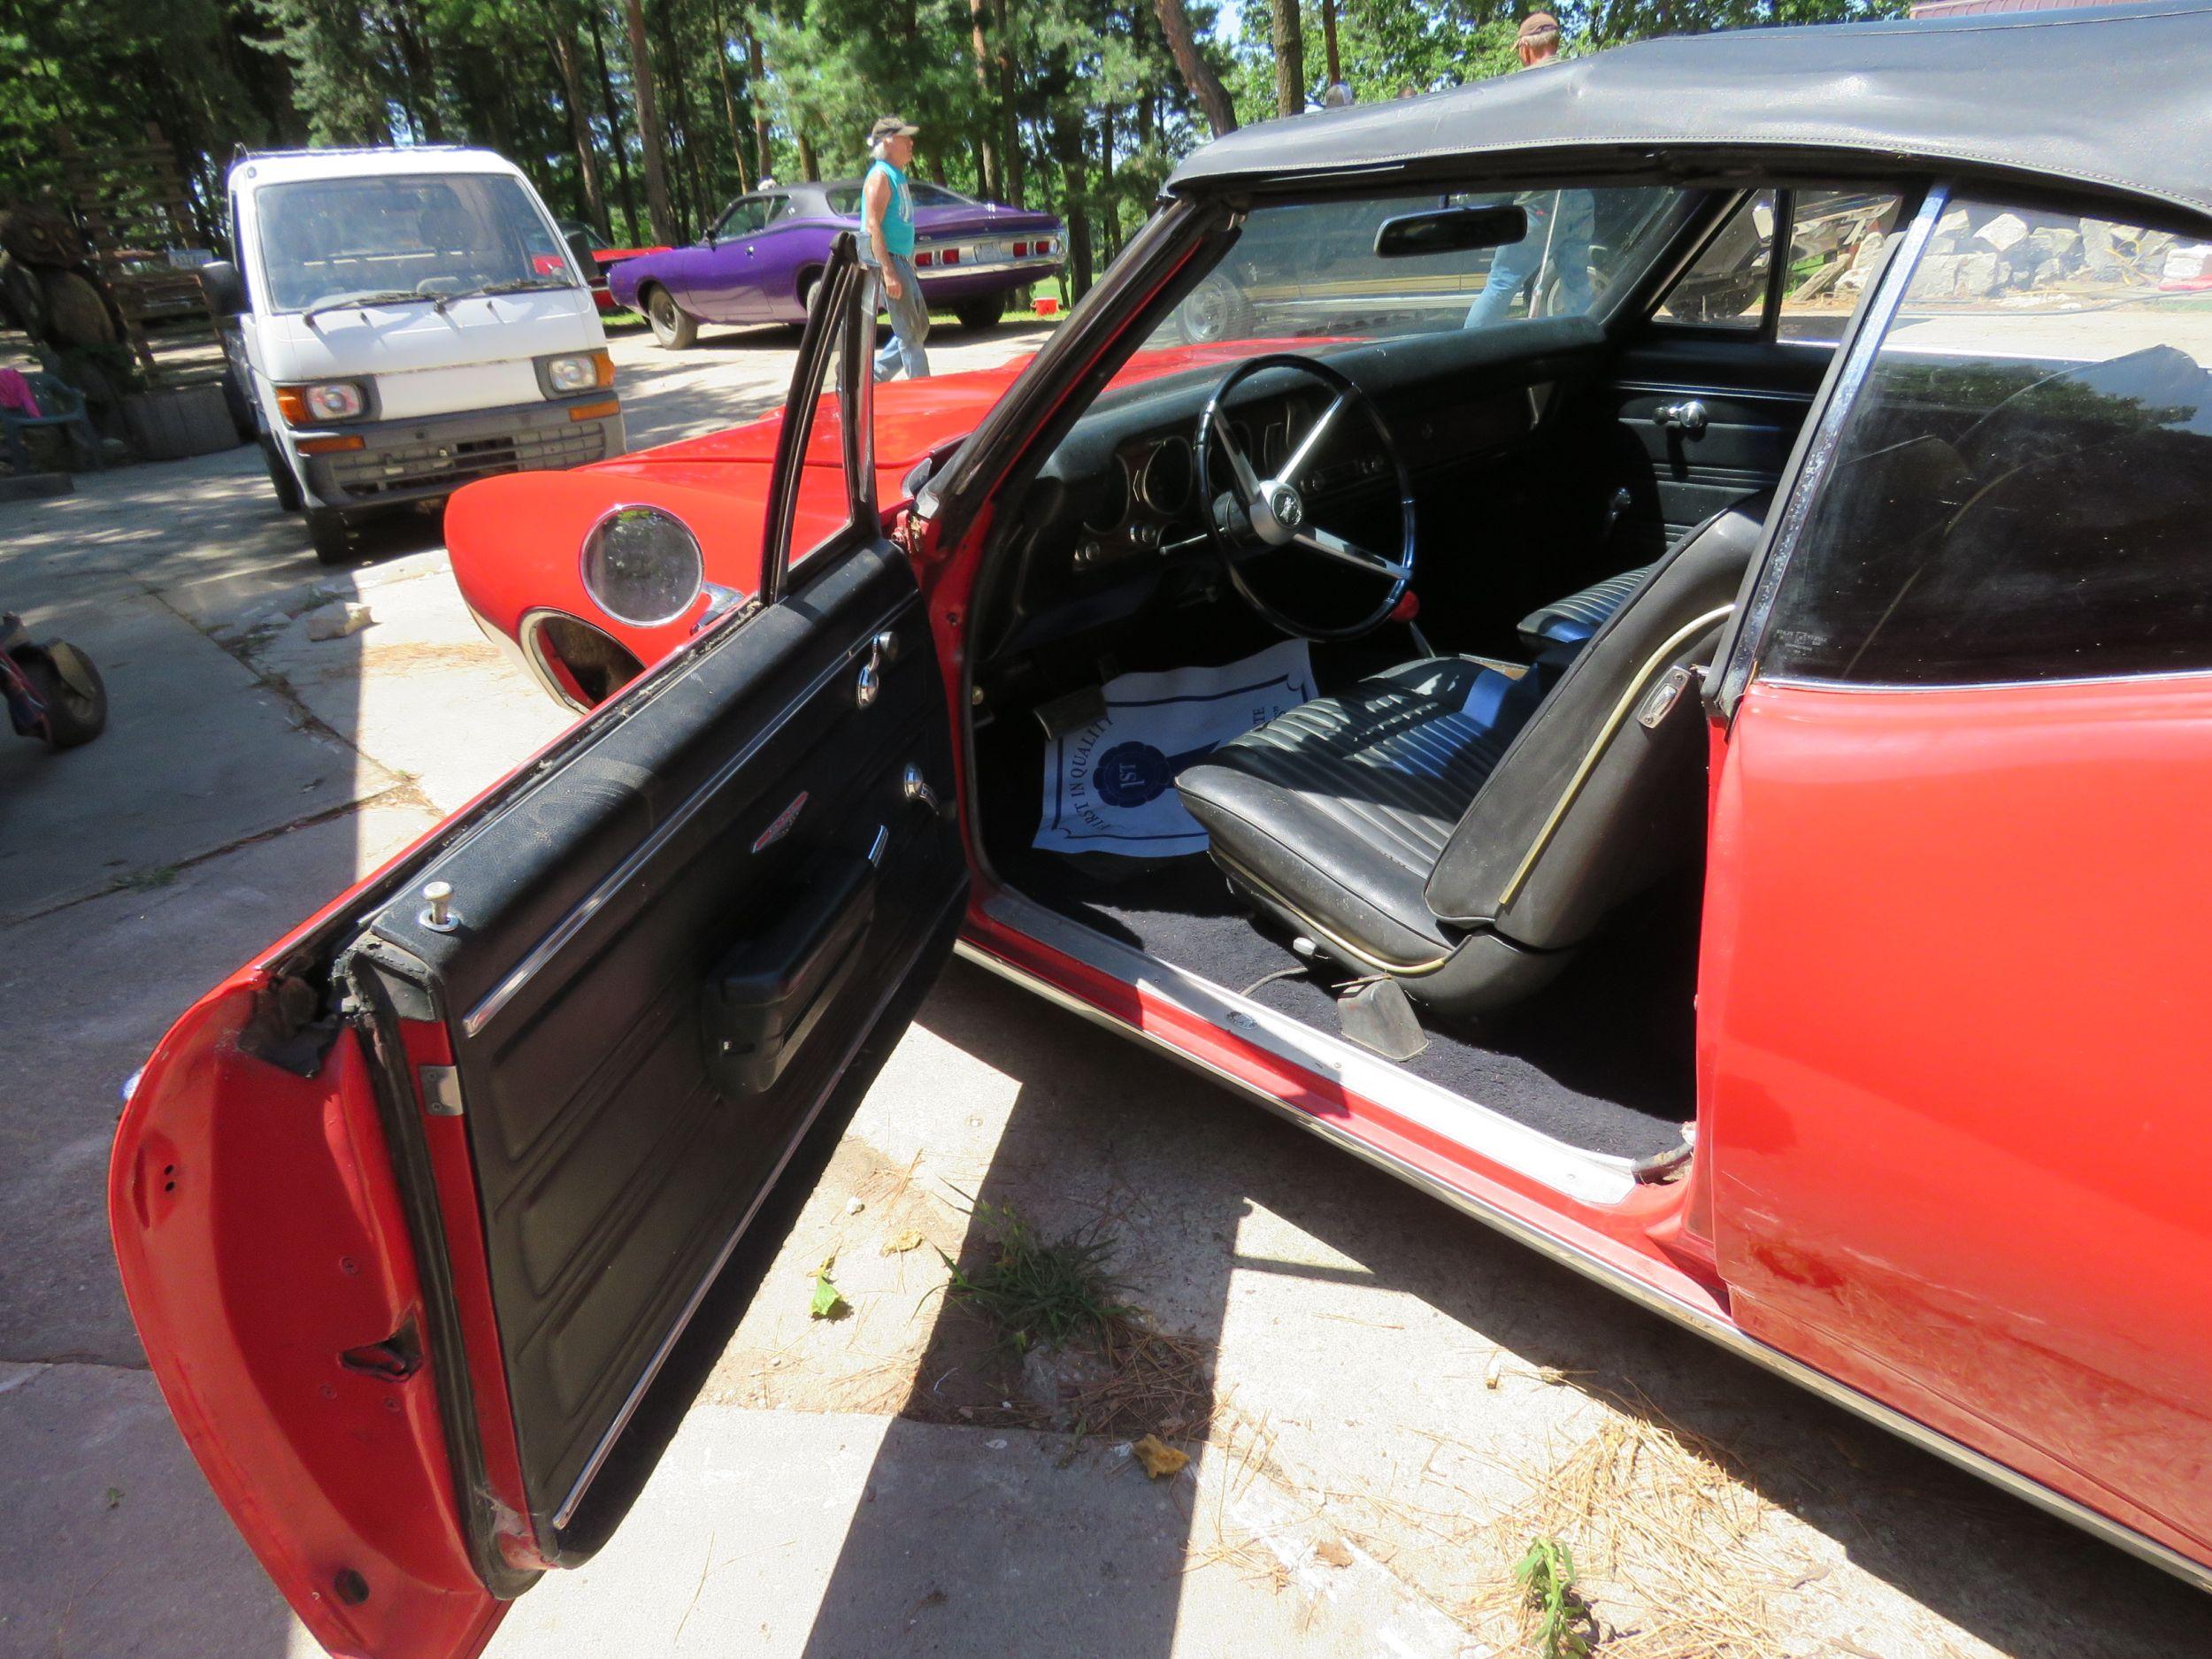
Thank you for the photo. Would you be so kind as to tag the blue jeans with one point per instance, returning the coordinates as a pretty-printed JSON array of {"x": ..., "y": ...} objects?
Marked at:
[
  {"x": 910, "y": 325},
  {"x": 1513, "y": 266}
]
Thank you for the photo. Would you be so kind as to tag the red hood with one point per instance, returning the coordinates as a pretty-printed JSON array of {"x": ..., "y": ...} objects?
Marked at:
[{"x": 913, "y": 418}]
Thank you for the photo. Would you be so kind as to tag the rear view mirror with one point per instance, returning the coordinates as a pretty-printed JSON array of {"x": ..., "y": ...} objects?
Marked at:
[
  {"x": 1450, "y": 230},
  {"x": 224, "y": 288}
]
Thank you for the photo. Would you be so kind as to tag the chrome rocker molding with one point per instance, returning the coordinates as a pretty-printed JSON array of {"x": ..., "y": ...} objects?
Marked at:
[{"x": 1097, "y": 950}]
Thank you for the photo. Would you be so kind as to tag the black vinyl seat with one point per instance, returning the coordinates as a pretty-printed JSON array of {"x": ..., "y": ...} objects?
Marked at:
[
  {"x": 1406, "y": 837},
  {"x": 1570, "y": 622}
]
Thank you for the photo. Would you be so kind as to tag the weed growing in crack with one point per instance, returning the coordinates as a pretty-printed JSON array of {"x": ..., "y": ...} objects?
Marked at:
[{"x": 1037, "y": 1294}]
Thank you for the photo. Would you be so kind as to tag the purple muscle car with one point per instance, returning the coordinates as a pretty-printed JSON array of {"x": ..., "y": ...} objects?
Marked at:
[{"x": 758, "y": 264}]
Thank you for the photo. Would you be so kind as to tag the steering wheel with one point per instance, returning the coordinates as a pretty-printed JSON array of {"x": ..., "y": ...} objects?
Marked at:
[{"x": 1274, "y": 511}]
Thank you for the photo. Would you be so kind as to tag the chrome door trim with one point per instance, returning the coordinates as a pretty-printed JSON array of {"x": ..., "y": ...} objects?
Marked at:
[
  {"x": 1650, "y": 1297},
  {"x": 1596, "y": 1179},
  {"x": 488, "y": 1006}
]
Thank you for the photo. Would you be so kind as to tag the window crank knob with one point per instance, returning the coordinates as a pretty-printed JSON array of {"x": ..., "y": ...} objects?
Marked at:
[{"x": 916, "y": 789}]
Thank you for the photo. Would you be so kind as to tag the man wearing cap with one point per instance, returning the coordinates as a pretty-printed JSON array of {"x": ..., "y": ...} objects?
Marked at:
[
  {"x": 886, "y": 242},
  {"x": 1560, "y": 222}
]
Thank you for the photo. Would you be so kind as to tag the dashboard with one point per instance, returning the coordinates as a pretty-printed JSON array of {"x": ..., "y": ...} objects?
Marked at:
[
  {"x": 1145, "y": 501},
  {"x": 1113, "y": 521}
]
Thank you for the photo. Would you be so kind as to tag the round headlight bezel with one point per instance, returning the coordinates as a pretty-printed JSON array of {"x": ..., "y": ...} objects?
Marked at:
[
  {"x": 334, "y": 400},
  {"x": 609, "y": 550},
  {"x": 584, "y": 368}
]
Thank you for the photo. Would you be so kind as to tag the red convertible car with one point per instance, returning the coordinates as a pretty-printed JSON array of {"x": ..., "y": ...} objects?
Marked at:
[{"x": 1721, "y": 802}]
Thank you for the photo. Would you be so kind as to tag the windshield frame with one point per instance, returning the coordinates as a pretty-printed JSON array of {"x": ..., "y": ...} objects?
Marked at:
[{"x": 268, "y": 194}]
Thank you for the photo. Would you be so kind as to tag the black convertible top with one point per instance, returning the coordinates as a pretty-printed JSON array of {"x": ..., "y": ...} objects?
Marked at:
[{"x": 2118, "y": 97}]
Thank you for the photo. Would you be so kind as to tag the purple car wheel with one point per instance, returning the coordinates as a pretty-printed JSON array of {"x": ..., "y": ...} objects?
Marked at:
[{"x": 673, "y": 326}]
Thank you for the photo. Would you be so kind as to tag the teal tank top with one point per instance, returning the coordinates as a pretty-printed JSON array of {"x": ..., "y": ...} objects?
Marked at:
[{"x": 898, "y": 217}]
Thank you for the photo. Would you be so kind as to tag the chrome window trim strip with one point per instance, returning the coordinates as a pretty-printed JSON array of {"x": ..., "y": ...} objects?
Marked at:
[
  {"x": 1650, "y": 1297},
  {"x": 1589, "y": 1178},
  {"x": 1806, "y": 479},
  {"x": 489, "y": 1005},
  {"x": 1737, "y": 393}
]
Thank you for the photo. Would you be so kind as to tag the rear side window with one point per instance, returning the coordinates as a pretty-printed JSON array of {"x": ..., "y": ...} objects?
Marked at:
[
  {"x": 2023, "y": 490},
  {"x": 1836, "y": 238}
]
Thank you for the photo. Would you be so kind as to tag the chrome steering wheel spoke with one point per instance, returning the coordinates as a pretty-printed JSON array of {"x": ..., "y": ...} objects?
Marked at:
[{"x": 1274, "y": 512}]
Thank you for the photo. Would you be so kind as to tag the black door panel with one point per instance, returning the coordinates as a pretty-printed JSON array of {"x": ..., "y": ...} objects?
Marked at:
[
  {"x": 747, "y": 829},
  {"x": 1753, "y": 395}
]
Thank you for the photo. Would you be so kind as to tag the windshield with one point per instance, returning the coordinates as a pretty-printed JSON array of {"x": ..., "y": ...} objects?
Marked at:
[
  {"x": 328, "y": 240},
  {"x": 1309, "y": 271}
]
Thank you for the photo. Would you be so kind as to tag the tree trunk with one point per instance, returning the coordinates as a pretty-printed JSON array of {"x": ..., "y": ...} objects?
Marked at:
[
  {"x": 1328, "y": 38},
  {"x": 1067, "y": 145},
  {"x": 1109, "y": 209},
  {"x": 614, "y": 120},
  {"x": 810, "y": 164},
  {"x": 422, "y": 73},
  {"x": 649, "y": 122},
  {"x": 756, "y": 70},
  {"x": 1290, "y": 57},
  {"x": 563, "y": 38},
  {"x": 1197, "y": 74},
  {"x": 988, "y": 183},
  {"x": 729, "y": 99},
  {"x": 696, "y": 210}
]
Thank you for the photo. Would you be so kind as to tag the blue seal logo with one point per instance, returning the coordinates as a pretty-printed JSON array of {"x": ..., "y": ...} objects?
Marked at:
[{"x": 1130, "y": 774}]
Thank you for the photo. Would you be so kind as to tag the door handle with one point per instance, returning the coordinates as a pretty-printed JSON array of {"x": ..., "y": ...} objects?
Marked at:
[
  {"x": 1686, "y": 417},
  {"x": 881, "y": 649}
]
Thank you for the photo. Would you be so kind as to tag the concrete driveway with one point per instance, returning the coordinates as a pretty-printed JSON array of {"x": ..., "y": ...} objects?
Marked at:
[{"x": 1395, "y": 1399}]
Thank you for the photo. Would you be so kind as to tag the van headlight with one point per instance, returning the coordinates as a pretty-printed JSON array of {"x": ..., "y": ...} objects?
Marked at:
[
  {"x": 322, "y": 400},
  {"x": 575, "y": 371},
  {"x": 642, "y": 566}
]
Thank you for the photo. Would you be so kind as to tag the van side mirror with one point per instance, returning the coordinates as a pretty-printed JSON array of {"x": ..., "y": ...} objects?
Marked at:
[{"x": 225, "y": 288}]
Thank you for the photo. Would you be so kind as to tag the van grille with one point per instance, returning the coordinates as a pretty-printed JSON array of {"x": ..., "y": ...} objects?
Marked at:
[{"x": 405, "y": 468}]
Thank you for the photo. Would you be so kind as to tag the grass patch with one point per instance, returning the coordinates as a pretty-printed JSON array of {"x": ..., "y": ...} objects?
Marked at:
[
  {"x": 1546, "y": 1572},
  {"x": 1034, "y": 1293}
]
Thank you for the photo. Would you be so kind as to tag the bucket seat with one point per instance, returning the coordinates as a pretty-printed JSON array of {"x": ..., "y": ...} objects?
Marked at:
[{"x": 1406, "y": 836}]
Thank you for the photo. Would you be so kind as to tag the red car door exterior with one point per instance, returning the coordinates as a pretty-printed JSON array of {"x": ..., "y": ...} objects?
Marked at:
[
  {"x": 415, "y": 1211},
  {"x": 1957, "y": 984}
]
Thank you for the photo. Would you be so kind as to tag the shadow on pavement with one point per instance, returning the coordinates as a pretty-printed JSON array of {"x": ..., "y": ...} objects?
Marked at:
[{"x": 1101, "y": 1129}]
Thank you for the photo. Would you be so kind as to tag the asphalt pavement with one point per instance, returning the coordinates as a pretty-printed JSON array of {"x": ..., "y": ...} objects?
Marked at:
[{"x": 1396, "y": 1399}]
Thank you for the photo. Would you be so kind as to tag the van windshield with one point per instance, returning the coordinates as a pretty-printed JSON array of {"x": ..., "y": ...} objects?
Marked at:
[{"x": 432, "y": 235}]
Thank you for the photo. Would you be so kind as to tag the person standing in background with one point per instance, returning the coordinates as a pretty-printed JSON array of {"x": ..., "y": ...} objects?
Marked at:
[
  {"x": 886, "y": 242},
  {"x": 1560, "y": 222}
]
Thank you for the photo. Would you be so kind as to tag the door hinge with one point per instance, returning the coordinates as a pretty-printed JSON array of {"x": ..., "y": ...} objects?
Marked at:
[{"x": 441, "y": 1090}]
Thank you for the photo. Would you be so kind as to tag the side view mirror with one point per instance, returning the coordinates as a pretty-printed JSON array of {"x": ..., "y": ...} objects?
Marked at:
[
  {"x": 225, "y": 288},
  {"x": 1450, "y": 230}
]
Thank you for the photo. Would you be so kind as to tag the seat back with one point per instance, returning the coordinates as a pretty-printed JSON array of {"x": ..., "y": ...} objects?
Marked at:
[{"x": 1591, "y": 804}]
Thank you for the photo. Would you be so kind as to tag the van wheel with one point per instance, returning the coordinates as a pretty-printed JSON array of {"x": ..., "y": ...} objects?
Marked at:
[
  {"x": 673, "y": 326},
  {"x": 280, "y": 476},
  {"x": 983, "y": 313},
  {"x": 333, "y": 537}
]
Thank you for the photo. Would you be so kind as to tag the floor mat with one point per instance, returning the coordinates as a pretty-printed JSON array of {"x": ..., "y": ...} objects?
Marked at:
[
  {"x": 1109, "y": 783},
  {"x": 1602, "y": 1060}
]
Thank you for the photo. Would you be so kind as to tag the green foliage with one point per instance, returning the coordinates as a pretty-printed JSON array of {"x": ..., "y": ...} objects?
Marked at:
[
  {"x": 1546, "y": 1573},
  {"x": 1036, "y": 1293},
  {"x": 1074, "y": 105}
]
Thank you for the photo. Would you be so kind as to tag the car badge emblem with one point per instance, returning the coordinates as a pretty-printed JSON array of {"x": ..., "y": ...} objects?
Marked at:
[
  {"x": 1289, "y": 508},
  {"x": 781, "y": 827}
]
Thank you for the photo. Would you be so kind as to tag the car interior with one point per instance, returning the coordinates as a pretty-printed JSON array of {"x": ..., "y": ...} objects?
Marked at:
[{"x": 1473, "y": 842}]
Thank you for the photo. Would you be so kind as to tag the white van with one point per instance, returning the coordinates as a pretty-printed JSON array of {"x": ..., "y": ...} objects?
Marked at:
[{"x": 403, "y": 322}]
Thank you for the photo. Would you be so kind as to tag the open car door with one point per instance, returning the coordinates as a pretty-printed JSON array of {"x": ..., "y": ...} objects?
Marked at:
[{"x": 428, "y": 1217}]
